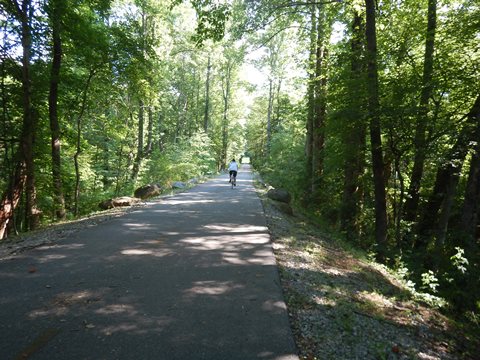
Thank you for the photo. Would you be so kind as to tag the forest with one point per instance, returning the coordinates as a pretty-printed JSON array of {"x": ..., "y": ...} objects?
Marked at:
[{"x": 367, "y": 112}]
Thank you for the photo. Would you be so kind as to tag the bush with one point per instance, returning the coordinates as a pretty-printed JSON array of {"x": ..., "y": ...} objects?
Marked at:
[{"x": 190, "y": 157}]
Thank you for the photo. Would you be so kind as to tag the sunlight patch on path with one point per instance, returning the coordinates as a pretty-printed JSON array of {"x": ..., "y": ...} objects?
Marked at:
[
  {"x": 183, "y": 202},
  {"x": 213, "y": 288},
  {"x": 236, "y": 228}
]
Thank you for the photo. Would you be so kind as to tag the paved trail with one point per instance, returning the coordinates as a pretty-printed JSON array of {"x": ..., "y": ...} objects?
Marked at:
[{"x": 191, "y": 276}]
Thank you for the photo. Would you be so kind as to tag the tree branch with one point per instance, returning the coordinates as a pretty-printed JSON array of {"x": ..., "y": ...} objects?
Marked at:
[
  {"x": 264, "y": 43},
  {"x": 309, "y": 3},
  {"x": 13, "y": 5}
]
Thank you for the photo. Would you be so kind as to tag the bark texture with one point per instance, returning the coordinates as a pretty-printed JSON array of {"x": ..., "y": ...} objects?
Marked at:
[
  {"x": 411, "y": 205},
  {"x": 207, "y": 97},
  {"x": 354, "y": 138},
  {"x": 375, "y": 132},
  {"x": 59, "y": 200},
  {"x": 310, "y": 103},
  {"x": 319, "y": 119}
]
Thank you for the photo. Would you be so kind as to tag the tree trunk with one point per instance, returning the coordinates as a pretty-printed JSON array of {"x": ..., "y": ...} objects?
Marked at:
[
  {"x": 411, "y": 205},
  {"x": 149, "y": 146},
  {"x": 470, "y": 221},
  {"x": 29, "y": 119},
  {"x": 77, "y": 166},
  {"x": 139, "y": 157},
  {"x": 78, "y": 144},
  {"x": 59, "y": 201},
  {"x": 310, "y": 104},
  {"x": 25, "y": 171},
  {"x": 434, "y": 222},
  {"x": 7, "y": 204},
  {"x": 354, "y": 138},
  {"x": 160, "y": 133},
  {"x": 118, "y": 174},
  {"x": 318, "y": 130},
  {"x": 207, "y": 98},
  {"x": 269, "y": 117},
  {"x": 470, "y": 204},
  {"x": 11, "y": 197},
  {"x": 470, "y": 209},
  {"x": 278, "y": 110},
  {"x": 375, "y": 132},
  {"x": 226, "y": 97},
  {"x": 197, "y": 78},
  {"x": 398, "y": 205}
]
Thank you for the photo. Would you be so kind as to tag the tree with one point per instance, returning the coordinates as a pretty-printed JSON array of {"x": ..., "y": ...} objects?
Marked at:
[
  {"x": 375, "y": 131},
  {"x": 25, "y": 170},
  {"x": 355, "y": 132},
  {"x": 470, "y": 219},
  {"x": 56, "y": 9},
  {"x": 311, "y": 99},
  {"x": 226, "y": 93},
  {"x": 411, "y": 205},
  {"x": 436, "y": 216},
  {"x": 207, "y": 97},
  {"x": 320, "y": 85}
]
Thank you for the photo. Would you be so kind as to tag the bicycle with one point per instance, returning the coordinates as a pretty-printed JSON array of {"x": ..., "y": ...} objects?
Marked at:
[{"x": 233, "y": 178}]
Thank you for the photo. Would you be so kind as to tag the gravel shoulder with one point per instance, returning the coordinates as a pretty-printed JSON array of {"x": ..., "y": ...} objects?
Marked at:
[{"x": 341, "y": 307}]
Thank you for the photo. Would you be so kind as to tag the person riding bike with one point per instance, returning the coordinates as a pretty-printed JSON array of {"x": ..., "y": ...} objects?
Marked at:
[{"x": 233, "y": 169}]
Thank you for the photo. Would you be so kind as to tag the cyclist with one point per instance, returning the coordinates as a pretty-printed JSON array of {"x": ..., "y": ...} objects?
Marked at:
[{"x": 233, "y": 169}]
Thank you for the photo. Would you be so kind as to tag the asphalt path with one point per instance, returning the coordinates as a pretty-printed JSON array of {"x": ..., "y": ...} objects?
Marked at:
[{"x": 189, "y": 276}]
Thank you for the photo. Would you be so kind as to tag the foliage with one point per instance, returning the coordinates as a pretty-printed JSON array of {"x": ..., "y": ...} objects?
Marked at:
[
  {"x": 189, "y": 158},
  {"x": 430, "y": 246},
  {"x": 459, "y": 261},
  {"x": 285, "y": 162},
  {"x": 131, "y": 98}
]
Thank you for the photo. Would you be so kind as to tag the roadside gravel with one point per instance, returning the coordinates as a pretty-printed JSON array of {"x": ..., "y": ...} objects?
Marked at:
[{"x": 341, "y": 307}]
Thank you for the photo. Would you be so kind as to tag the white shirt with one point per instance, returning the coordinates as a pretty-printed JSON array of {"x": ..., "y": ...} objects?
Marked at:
[{"x": 233, "y": 166}]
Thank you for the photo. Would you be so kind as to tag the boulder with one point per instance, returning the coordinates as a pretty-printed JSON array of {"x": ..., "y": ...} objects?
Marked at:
[
  {"x": 283, "y": 207},
  {"x": 178, "y": 185},
  {"x": 281, "y": 195},
  {"x": 117, "y": 202},
  {"x": 148, "y": 191}
]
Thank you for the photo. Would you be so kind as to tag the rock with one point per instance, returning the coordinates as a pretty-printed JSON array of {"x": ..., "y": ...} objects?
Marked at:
[
  {"x": 260, "y": 181},
  {"x": 148, "y": 191},
  {"x": 178, "y": 185},
  {"x": 106, "y": 204},
  {"x": 193, "y": 181},
  {"x": 281, "y": 195},
  {"x": 117, "y": 202},
  {"x": 283, "y": 207}
]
